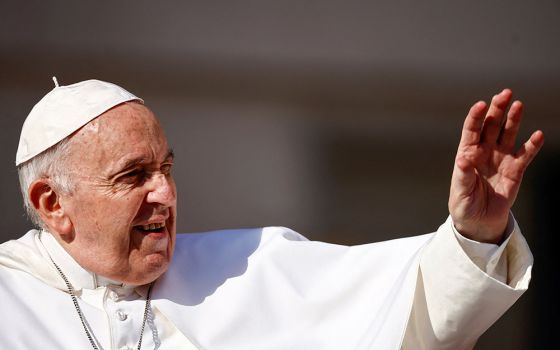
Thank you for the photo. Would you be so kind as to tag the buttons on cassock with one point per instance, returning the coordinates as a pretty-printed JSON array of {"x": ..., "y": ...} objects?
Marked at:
[{"x": 122, "y": 315}]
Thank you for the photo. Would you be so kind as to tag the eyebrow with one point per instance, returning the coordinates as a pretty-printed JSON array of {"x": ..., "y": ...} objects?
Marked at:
[{"x": 170, "y": 154}]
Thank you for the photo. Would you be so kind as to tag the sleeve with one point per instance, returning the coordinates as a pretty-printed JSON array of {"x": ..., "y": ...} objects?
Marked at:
[{"x": 463, "y": 287}]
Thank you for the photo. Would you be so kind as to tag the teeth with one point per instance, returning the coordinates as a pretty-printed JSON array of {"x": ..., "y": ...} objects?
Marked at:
[{"x": 154, "y": 226}]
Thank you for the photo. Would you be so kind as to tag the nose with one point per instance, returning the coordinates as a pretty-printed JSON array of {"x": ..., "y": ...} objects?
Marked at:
[{"x": 162, "y": 190}]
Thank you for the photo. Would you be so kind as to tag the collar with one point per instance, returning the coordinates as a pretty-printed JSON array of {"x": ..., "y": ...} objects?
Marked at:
[{"x": 79, "y": 277}]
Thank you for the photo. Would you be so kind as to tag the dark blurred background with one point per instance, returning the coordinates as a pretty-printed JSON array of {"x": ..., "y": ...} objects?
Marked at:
[{"x": 339, "y": 119}]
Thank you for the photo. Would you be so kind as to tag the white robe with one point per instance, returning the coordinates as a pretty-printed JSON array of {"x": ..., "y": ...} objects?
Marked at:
[{"x": 271, "y": 289}]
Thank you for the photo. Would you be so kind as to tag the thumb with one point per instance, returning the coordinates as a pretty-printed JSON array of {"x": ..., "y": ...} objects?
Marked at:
[{"x": 464, "y": 177}]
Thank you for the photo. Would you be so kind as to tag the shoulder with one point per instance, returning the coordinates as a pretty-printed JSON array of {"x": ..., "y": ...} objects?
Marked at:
[
  {"x": 236, "y": 237},
  {"x": 270, "y": 231},
  {"x": 20, "y": 248},
  {"x": 27, "y": 255},
  {"x": 203, "y": 261},
  {"x": 27, "y": 239},
  {"x": 228, "y": 245}
]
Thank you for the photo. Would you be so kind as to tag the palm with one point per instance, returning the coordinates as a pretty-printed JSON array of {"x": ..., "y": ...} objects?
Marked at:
[{"x": 487, "y": 172}]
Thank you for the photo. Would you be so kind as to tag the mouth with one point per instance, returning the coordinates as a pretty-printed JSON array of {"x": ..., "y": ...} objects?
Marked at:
[{"x": 155, "y": 227}]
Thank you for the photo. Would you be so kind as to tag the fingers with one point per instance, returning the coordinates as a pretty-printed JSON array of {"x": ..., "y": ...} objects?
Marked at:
[
  {"x": 493, "y": 121},
  {"x": 473, "y": 125},
  {"x": 529, "y": 149},
  {"x": 484, "y": 124},
  {"x": 511, "y": 126}
]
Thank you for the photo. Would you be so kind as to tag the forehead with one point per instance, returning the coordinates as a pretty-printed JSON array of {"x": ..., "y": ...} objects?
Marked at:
[{"x": 128, "y": 130}]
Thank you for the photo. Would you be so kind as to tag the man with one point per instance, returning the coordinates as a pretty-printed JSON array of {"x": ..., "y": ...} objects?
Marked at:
[{"x": 107, "y": 271}]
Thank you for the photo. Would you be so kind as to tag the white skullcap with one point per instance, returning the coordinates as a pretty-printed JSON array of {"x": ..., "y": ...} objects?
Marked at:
[{"x": 63, "y": 111}]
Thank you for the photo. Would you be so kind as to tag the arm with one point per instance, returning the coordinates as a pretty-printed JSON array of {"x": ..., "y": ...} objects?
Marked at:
[
  {"x": 462, "y": 289},
  {"x": 460, "y": 292}
]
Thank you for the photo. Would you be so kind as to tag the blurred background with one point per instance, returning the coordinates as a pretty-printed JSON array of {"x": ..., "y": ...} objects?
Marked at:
[{"x": 339, "y": 119}]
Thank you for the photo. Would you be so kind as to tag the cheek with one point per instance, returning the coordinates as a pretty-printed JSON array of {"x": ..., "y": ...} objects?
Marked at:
[{"x": 104, "y": 223}]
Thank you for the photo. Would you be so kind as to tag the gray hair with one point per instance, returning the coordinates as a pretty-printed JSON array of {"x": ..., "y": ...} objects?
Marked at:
[{"x": 48, "y": 165}]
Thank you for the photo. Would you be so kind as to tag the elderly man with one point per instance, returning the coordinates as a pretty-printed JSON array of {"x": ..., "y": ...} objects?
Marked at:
[{"x": 105, "y": 269}]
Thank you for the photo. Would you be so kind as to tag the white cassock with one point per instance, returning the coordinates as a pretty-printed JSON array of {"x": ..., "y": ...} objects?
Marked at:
[{"x": 270, "y": 289}]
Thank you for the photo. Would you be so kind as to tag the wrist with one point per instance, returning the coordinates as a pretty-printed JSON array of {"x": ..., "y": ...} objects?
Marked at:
[{"x": 482, "y": 232}]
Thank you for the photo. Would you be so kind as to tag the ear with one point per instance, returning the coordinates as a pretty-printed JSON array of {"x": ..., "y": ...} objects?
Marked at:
[{"x": 47, "y": 202}]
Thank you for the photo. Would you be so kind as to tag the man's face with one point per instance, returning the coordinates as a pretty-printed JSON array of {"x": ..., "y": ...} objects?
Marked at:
[{"x": 123, "y": 206}]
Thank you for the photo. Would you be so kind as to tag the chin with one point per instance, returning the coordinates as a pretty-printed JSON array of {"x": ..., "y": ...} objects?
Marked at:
[
  {"x": 157, "y": 261},
  {"x": 148, "y": 275},
  {"x": 156, "y": 264}
]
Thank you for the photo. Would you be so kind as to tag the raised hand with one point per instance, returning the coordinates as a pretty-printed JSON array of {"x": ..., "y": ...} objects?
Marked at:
[{"x": 488, "y": 171}]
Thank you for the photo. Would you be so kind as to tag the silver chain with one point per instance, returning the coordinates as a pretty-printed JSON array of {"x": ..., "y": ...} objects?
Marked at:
[{"x": 81, "y": 315}]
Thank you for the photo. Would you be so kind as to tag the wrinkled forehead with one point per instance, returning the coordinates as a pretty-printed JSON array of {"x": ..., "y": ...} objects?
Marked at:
[
  {"x": 121, "y": 120},
  {"x": 127, "y": 130}
]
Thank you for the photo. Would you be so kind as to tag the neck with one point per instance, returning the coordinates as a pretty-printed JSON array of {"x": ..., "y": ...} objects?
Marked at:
[{"x": 79, "y": 277}]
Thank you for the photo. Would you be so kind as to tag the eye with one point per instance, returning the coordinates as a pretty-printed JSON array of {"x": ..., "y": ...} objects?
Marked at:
[{"x": 132, "y": 176}]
